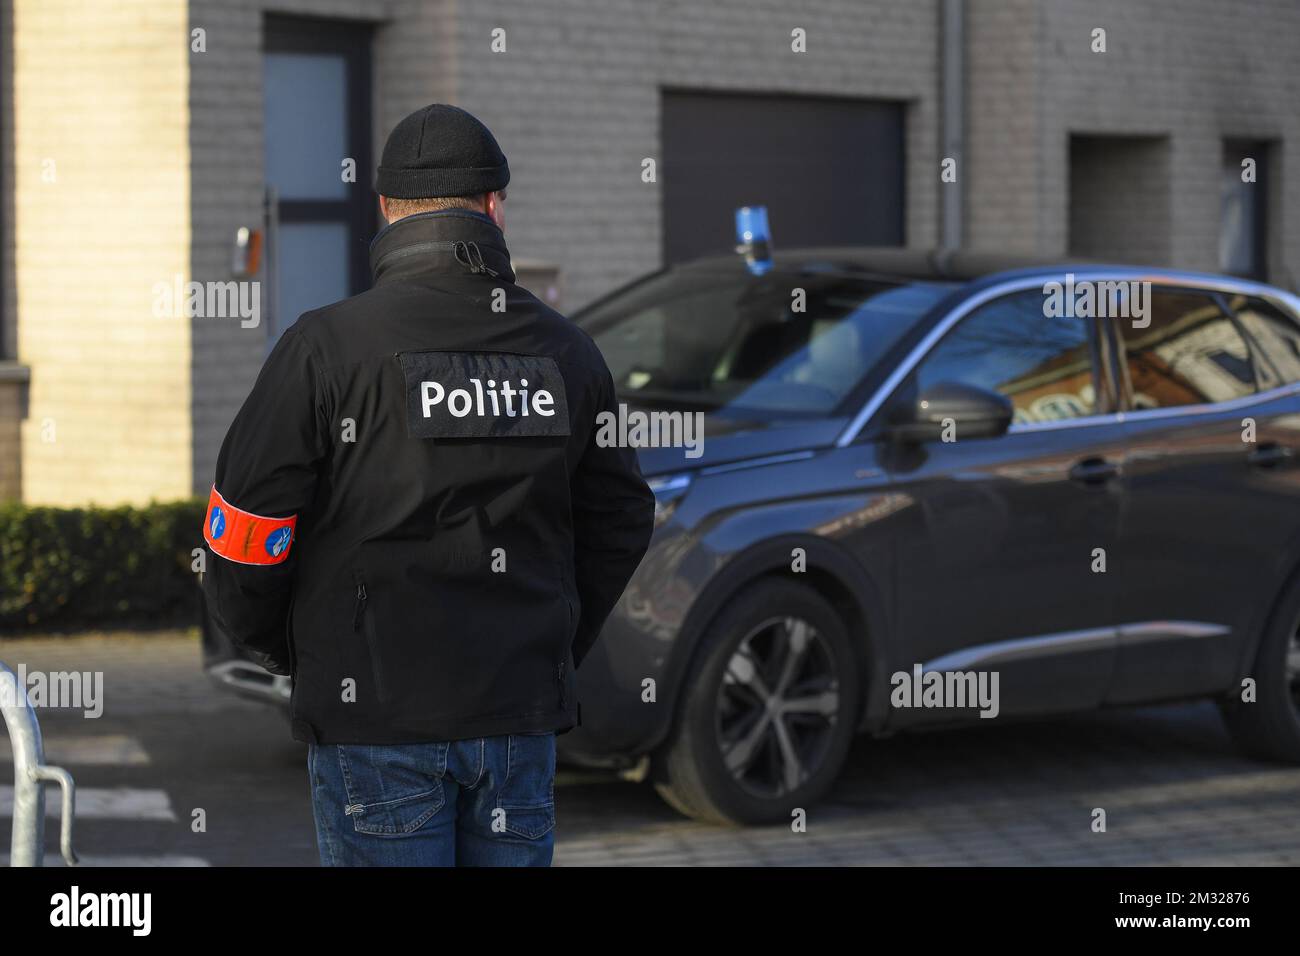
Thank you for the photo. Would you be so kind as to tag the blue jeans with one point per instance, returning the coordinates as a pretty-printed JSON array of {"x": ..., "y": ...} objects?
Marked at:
[{"x": 487, "y": 801}]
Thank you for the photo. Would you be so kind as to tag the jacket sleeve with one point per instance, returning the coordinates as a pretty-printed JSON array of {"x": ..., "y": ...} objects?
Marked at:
[
  {"x": 613, "y": 518},
  {"x": 266, "y": 475}
]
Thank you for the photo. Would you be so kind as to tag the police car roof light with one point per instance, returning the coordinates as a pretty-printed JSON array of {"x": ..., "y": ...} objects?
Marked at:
[{"x": 754, "y": 238}]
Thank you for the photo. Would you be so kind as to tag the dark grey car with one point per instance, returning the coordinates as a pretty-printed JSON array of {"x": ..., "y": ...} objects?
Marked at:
[
  {"x": 912, "y": 465},
  {"x": 1113, "y": 518}
]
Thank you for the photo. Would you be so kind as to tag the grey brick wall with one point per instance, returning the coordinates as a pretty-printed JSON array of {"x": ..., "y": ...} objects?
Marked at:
[
  {"x": 1119, "y": 198},
  {"x": 413, "y": 65},
  {"x": 1196, "y": 71},
  {"x": 1003, "y": 202},
  {"x": 12, "y": 393},
  {"x": 574, "y": 101},
  {"x": 12, "y": 402}
]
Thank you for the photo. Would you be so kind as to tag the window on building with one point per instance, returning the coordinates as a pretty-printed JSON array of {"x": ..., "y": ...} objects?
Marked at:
[
  {"x": 1119, "y": 198},
  {"x": 1243, "y": 225},
  {"x": 316, "y": 104}
]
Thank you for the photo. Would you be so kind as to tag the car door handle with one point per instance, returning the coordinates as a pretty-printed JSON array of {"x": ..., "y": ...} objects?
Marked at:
[
  {"x": 1093, "y": 471},
  {"x": 1268, "y": 455}
]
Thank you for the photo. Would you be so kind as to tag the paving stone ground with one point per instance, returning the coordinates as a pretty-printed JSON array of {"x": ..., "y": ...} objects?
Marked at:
[{"x": 1174, "y": 790}]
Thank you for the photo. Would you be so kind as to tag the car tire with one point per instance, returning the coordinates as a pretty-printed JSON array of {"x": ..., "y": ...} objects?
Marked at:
[
  {"x": 1269, "y": 727},
  {"x": 719, "y": 764}
]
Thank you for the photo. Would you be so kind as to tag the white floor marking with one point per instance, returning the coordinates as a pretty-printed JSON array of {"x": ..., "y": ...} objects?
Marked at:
[
  {"x": 108, "y": 750},
  {"x": 103, "y": 803}
]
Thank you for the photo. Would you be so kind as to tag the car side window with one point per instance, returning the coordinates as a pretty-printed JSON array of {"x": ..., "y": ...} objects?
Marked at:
[
  {"x": 1185, "y": 351},
  {"x": 1277, "y": 335},
  {"x": 1042, "y": 364}
]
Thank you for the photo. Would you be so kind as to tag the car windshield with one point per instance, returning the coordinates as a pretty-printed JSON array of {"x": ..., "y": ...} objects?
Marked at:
[{"x": 775, "y": 345}]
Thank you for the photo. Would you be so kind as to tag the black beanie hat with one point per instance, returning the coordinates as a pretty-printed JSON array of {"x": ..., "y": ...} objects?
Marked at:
[{"x": 440, "y": 151}]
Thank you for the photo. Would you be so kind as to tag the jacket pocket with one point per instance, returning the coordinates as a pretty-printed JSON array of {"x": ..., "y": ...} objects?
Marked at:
[{"x": 447, "y": 636}]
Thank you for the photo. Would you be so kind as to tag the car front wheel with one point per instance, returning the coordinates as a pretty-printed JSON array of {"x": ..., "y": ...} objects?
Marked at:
[{"x": 770, "y": 711}]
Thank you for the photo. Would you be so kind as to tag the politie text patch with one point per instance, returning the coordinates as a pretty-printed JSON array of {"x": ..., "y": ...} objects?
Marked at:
[{"x": 483, "y": 395}]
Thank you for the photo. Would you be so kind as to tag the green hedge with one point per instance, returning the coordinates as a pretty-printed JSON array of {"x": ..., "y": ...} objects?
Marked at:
[{"x": 70, "y": 568}]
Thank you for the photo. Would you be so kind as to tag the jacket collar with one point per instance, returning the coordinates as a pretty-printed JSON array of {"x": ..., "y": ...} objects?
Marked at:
[{"x": 446, "y": 241}]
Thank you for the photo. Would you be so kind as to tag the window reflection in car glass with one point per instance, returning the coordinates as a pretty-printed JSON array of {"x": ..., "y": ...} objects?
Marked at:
[
  {"x": 794, "y": 344},
  {"x": 1042, "y": 364},
  {"x": 1276, "y": 334},
  {"x": 1189, "y": 354}
]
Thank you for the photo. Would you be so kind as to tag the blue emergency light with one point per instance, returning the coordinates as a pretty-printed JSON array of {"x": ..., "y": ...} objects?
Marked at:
[{"x": 754, "y": 238}]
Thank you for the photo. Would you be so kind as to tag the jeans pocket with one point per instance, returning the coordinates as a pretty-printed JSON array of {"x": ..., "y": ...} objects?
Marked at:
[
  {"x": 392, "y": 790},
  {"x": 527, "y": 795},
  {"x": 531, "y": 823}
]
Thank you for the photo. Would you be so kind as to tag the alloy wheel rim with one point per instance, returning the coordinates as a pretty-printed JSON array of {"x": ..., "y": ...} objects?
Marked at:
[{"x": 777, "y": 706}]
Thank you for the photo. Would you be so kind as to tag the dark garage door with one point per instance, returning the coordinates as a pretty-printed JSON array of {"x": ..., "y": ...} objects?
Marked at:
[{"x": 829, "y": 170}]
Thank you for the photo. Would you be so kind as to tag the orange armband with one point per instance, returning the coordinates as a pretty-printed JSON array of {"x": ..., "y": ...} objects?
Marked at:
[{"x": 243, "y": 537}]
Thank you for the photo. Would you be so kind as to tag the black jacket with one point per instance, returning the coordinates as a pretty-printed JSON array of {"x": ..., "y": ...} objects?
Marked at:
[{"x": 460, "y": 535}]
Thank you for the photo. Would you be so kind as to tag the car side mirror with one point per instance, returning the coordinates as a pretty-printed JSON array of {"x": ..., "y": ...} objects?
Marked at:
[{"x": 973, "y": 412}]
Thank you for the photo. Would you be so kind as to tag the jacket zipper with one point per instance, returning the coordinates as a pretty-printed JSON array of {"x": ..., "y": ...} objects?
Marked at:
[
  {"x": 361, "y": 623},
  {"x": 564, "y": 691},
  {"x": 361, "y": 606},
  {"x": 293, "y": 659}
]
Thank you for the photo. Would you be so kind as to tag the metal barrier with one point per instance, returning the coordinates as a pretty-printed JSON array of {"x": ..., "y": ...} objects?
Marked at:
[{"x": 30, "y": 774}]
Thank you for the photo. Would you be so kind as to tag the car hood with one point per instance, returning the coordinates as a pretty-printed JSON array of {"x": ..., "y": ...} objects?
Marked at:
[{"x": 728, "y": 439}]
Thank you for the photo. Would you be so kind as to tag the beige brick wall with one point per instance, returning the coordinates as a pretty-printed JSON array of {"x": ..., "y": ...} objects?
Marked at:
[{"x": 100, "y": 105}]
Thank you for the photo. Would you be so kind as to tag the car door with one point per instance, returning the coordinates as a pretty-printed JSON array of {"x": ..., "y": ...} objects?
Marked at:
[
  {"x": 1003, "y": 544},
  {"x": 1210, "y": 516}
]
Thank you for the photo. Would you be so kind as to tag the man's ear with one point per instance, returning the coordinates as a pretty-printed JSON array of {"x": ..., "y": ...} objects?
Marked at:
[
  {"x": 492, "y": 205},
  {"x": 383, "y": 207}
]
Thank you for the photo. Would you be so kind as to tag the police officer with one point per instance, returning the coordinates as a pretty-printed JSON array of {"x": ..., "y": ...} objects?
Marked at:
[{"x": 412, "y": 516}]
